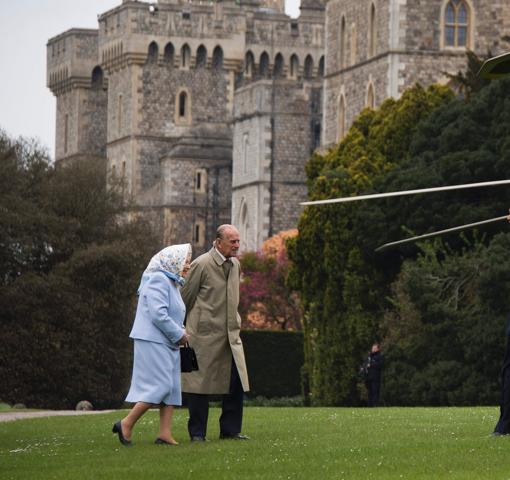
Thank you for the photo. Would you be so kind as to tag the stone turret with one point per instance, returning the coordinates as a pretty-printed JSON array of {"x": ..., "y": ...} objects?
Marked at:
[{"x": 76, "y": 79}]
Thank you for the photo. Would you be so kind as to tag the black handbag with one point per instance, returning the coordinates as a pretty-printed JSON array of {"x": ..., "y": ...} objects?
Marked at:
[{"x": 189, "y": 361}]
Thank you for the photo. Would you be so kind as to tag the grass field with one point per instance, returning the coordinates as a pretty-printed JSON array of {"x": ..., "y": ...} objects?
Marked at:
[{"x": 286, "y": 443}]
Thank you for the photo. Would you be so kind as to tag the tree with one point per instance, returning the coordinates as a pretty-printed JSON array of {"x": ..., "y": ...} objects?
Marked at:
[
  {"x": 334, "y": 269},
  {"x": 265, "y": 300},
  {"x": 445, "y": 333},
  {"x": 345, "y": 296},
  {"x": 69, "y": 272}
]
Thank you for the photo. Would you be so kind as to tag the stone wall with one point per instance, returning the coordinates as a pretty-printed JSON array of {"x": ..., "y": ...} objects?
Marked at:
[{"x": 410, "y": 49}]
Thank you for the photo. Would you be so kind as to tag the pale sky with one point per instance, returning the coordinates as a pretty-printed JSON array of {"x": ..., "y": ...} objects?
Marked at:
[{"x": 27, "y": 107}]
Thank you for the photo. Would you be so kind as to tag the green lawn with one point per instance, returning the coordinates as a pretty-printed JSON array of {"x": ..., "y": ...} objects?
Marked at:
[{"x": 286, "y": 443}]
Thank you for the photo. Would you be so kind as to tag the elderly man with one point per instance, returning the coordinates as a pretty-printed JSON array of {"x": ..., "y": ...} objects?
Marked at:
[{"x": 211, "y": 295}]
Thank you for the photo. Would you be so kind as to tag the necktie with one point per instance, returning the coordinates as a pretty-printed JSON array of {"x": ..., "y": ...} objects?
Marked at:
[{"x": 226, "y": 265}]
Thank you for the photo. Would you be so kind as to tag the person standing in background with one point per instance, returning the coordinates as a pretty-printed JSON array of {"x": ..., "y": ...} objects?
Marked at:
[{"x": 372, "y": 371}]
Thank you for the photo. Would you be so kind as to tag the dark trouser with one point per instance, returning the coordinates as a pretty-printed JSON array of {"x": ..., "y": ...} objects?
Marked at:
[
  {"x": 373, "y": 387},
  {"x": 231, "y": 418},
  {"x": 503, "y": 425}
]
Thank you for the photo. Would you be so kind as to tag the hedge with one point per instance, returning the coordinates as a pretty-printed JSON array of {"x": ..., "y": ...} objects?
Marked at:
[{"x": 274, "y": 360}]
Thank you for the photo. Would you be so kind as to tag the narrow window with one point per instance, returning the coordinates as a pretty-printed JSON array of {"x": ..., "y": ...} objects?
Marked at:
[
  {"x": 185, "y": 56},
  {"x": 294, "y": 66},
  {"x": 248, "y": 65},
  {"x": 343, "y": 38},
  {"x": 341, "y": 118},
  {"x": 321, "y": 67},
  {"x": 183, "y": 97},
  {"x": 153, "y": 53},
  {"x": 217, "y": 58},
  {"x": 123, "y": 169},
  {"x": 372, "y": 32},
  {"x": 244, "y": 152},
  {"x": 456, "y": 23},
  {"x": 119, "y": 115},
  {"x": 97, "y": 78},
  {"x": 316, "y": 135},
  {"x": 66, "y": 132},
  {"x": 278, "y": 66},
  {"x": 200, "y": 180},
  {"x": 370, "y": 96},
  {"x": 201, "y": 57},
  {"x": 308, "y": 67},
  {"x": 354, "y": 43},
  {"x": 169, "y": 54},
  {"x": 196, "y": 238},
  {"x": 264, "y": 64}
]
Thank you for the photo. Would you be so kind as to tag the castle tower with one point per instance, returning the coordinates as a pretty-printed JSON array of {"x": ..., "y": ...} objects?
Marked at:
[
  {"x": 77, "y": 80},
  {"x": 376, "y": 49},
  {"x": 154, "y": 90},
  {"x": 277, "y": 122}
]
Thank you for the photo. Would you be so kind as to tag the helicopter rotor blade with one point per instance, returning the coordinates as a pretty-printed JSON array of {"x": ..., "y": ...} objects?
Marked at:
[
  {"x": 440, "y": 232},
  {"x": 406, "y": 192}
]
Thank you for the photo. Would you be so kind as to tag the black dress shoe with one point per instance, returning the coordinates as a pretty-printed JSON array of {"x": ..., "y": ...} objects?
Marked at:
[
  {"x": 198, "y": 439},
  {"x": 234, "y": 436},
  {"x": 160, "y": 441},
  {"x": 117, "y": 428}
]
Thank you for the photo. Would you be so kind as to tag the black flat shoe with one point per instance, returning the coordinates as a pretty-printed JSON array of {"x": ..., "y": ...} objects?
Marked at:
[
  {"x": 160, "y": 441},
  {"x": 198, "y": 439},
  {"x": 117, "y": 428}
]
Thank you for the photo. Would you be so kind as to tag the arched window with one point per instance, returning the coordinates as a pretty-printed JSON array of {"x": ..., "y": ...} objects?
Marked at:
[
  {"x": 264, "y": 64},
  {"x": 243, "y": 223},
  {"x": 278, "y": 65},
  {"x": 97, "y": 78},
  {"x": 342, "y": 41},
  {"x": 308, "y": 67},
  {"x": 294, "y": 66},
  {"x": 169, "y": 54},
  {"x": 354, "y": 43},
  {"x": 372, "y": 32},
  {"x": 185, "y": 56},
  {"x": 217, "y": 58},
  {"x": 341, "y": 118},
  {"x": 119, "y": 114},
  {"x": 152, "y": 56},
  {"x": 244, "y": 151},
  {"x": 456, "y": 24},
  {"x": 370, "y": 96},
  {"x": 321, "y": 67},
  {"x": 183, "y": 108},
  {"x": 249, "y": 63},
  {"x": 201, "y": 57}
]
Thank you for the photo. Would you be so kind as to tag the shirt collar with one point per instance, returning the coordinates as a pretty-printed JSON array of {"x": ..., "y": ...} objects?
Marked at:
[{"x": 220, "y": 254}]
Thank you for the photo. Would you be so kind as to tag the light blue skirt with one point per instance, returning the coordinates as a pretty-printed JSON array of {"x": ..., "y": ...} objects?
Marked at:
[{"x": 156, "y": 374}]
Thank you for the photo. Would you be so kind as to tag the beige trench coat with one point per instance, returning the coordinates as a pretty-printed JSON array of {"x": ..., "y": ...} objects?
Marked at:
[{"x": 213, "y": 323}]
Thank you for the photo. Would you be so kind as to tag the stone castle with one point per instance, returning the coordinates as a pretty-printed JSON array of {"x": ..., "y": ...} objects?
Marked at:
[{"x": 208, "y": 111}]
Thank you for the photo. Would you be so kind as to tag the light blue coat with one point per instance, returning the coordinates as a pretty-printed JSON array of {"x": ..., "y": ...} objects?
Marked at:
[{"x": 160, "y": 312}]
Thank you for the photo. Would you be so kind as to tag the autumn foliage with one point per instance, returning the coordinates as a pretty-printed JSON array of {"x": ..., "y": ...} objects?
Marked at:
[{"x": 266, "y": 301}]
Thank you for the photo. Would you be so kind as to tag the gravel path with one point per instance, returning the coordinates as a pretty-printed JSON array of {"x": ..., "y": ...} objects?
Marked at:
[{"x": 14, "y": 415}]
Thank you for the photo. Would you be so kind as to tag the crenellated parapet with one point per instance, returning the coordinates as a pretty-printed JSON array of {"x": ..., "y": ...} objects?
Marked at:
[{"x": 71, "y": 59}]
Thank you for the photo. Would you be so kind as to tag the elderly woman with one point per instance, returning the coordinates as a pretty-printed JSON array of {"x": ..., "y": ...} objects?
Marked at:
[{"x": 157, "y": 332}]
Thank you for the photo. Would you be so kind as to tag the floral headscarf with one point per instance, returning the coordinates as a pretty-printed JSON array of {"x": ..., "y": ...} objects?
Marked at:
[{"x": 171, "y": 261}]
